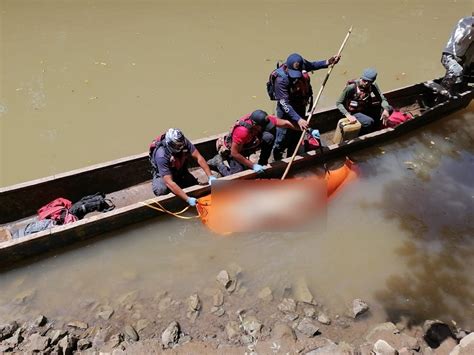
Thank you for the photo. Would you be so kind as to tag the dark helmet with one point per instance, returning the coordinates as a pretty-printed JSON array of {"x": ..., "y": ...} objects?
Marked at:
[
  {"x": 259, "y": 117},
  {"x": 174, "y": 140}
]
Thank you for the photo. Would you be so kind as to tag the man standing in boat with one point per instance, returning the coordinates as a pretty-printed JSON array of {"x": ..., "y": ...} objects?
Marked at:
[
  {"x": 290, "y": 86},
  {"x": 360, "y": 101},
  {"x": 251, "y": 132},
  {"x": 169, "y": 156},
  {"x": 458, "y": 55}
]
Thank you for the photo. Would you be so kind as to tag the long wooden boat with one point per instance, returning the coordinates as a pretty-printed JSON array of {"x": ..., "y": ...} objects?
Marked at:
[{"x": 127, "y": 180}]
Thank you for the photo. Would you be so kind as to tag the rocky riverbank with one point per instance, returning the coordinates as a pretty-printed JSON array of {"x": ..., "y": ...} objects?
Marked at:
[{"x": 228, "y": 319}]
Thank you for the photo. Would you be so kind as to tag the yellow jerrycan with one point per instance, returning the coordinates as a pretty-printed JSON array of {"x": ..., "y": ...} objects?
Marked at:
[{"x": 346, "y": 131}]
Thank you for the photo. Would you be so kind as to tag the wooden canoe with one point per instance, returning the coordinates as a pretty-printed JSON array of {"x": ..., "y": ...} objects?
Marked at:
[{"x": 127, "y": 180}]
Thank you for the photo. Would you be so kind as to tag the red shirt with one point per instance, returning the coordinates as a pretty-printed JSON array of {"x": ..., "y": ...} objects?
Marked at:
[{"x": 242, "y": 135}]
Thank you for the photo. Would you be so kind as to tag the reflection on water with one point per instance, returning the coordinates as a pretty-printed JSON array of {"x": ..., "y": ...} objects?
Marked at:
[{"x": 398, "y": 239}]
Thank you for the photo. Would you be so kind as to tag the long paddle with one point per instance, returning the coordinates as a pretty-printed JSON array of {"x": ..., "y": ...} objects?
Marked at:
[{"x": 315, "y": 104}]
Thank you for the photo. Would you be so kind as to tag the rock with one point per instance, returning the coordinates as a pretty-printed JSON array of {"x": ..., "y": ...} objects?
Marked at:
[
  {"x": 251, "y": 326},
  {"x": 7, "y": 330},
  {"x": 288, "y": 305},
  {"x": 328, "y": 348},
  {"x": 130, "y": 333},
  {"x": 446, "y": 347},
  {"x": 194, "y": 303},
  {"x": 40, "y": 321},
  {"x": 217, "y": 311},
  {"x": 56, "y": 335},
  {"x": 282, "y": 333},
  {"x": 142, "y": 324},
  {"x": 170, "y": 335},
  {"x": 192, "y": 315},
  {"x": 218, "y": 299},
  {"x": 128, "y": 298},
  {"x": 381, "y": 347},
  {"x": 436, "y": 332},
  {"x": 83, "y": 344},
  {"x": 307, "y": 327},
  {"x": 115, "y": 340},
  {"x": 37, "y": 342},
  {"x": 465, "y": 346},
  {"x": 105, "y": 313},
  {"x": 323, "y": 319},
  {"x": 184, "y": 339},
  {"x": 302, "y": 292},
  {"x": 78, "y": 325},
  {"x": 247, "y": 339},
  {"x": 266, "y": 294},
  {"x": 359, "y": 307},
  {"x": 390, "y": 333},
  {"x": 290, "y": 317},
  {"x": 233, "y": 331},
  {"x": 67, "y": 344},
  {"x": 309, "y": 312},
  {"x": 223, "y": 279},
  {"x": 15, "y": 339},
  {"x": 99, "y": 339}
]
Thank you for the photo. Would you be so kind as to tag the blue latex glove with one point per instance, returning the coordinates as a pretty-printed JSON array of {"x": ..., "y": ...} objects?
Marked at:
[
  {"x": 191, "y": 201},
  {"x": 258, "y": 168},
  {"x": 212, "y": 179},
  {"x": 315, "y": 133}
]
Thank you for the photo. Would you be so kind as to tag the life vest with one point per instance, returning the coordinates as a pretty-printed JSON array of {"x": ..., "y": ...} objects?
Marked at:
[
  {"x": 359, "y": 100},
  {"x": 300, "y": 89},
  {"x": 396, "y": 118},
  {"x": 223, "y": 144},
  {"x": 177, "y": 161},
  {"x": 58, "y": 211}
]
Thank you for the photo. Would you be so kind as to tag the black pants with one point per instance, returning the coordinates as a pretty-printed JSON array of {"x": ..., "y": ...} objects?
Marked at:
[
  {"x": 183, "y": 180},
  {"x": 286, "y": 139}
]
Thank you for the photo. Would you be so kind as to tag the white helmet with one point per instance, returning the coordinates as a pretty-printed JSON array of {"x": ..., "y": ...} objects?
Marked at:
[{"x": 174, "y": 140}]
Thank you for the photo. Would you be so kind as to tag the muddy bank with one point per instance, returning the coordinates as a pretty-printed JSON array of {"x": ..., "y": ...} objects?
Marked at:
[{"x": 227, "y": 318}]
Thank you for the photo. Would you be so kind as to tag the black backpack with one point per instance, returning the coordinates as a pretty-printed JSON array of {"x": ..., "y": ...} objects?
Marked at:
[
  {"x": 91, "y": 203},
  {"x": 271, "y": 83}
]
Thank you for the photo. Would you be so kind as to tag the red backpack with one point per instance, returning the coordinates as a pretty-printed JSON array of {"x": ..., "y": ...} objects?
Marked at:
[
  {"x": 58, "y": 211},
  {"x": 396, "y": 118}
]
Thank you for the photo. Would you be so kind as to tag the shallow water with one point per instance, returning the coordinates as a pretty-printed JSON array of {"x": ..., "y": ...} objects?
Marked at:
[{"x": 91, "y": 81}]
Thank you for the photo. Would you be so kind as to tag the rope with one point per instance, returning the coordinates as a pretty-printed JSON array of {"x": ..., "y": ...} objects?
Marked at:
[{"x": 164, "y": 210}]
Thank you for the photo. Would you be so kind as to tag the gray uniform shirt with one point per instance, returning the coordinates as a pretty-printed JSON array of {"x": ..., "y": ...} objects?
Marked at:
[{"x": 461, "y": 38}]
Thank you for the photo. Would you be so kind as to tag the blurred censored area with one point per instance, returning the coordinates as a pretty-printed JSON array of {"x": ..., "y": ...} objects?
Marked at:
[{"x": 270, "y": 205}]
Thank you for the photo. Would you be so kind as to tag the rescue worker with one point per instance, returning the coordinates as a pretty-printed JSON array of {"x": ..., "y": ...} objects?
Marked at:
[
  {"x": 290, "y": 86},
  {"x": 458, "y": 55},
  {"x": 361, "y": 101},
  {"x": 251, "y": 132},
  {"x": 169, "y": 156}
]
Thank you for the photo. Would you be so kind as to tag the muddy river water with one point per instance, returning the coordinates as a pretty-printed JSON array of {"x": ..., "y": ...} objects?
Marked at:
[{"x": 85, "y": 82}]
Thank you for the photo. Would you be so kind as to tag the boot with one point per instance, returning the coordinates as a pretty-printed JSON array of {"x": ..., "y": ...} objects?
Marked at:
[{"x": 216, "y": 161}]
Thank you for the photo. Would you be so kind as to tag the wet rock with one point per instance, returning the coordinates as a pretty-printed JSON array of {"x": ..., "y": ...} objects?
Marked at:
[
  {"x": 323, "y": 319},
  {"x": 142, "y": 324},
  {"x": 252, "y": 326},
  {"x": 36, "y": 342},
  {"x": 465, "y": 346},
  {"x": 194, "y": 303},
  {"x": 40, "y": 321},
  {"x": 288, "y": 305},
  {"x": 309, "y": 312},
  {"x": 265, "y": 294},
  {"x": 302, "y": 292},
  {"x": 435, "y": 332},
  {"x": 170, "y": 336},
  {"x": 105, "y": 312},
  {"x": 83, "y": 344},
  {"x": 381, "y": 347},
  {"x": 223, "y": 279},
  {"x": 283, "y": 333},
  {"x": 56, "y": 335},
  {"x": 217, "y": 311},
  {"x": 7, "y": 330},
  {"x": 359, "y": 307},
  {"x": 218, "y": 298},
  {"x": 67, "y": 344},
  {"x": 130, "y": 333},
  {"x": 232, "y": 330},
  {"x": 389, "y": 332},
  {"x": 307, "y": 327},
  {"x": 78, "y": 324}
]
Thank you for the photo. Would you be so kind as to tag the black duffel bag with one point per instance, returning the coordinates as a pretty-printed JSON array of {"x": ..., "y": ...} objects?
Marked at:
[{"x": 91, "y": 203}]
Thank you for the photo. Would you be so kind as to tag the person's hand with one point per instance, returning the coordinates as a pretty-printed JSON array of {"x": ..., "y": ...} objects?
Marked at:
[
  {"x": 191, "y": 201},
  {"x": 315, "y": 134},
  {"x": 352, "y": 119},
  {"x": 211, "y": 179},
  {"x": 303, "y": 124},
  {"x": 258, "y": 168},
  {"x": 384, "y": 117},
  {"x": 334, "y": 60}
]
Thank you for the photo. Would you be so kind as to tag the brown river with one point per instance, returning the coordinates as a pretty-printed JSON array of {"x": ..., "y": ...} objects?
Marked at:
[{"x": 84, "y": 82}]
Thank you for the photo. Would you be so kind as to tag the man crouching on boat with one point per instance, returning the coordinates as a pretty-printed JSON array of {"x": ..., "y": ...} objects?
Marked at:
[
  {"x": 251, "y": 132},
  {"x": 168, "y": 156}
]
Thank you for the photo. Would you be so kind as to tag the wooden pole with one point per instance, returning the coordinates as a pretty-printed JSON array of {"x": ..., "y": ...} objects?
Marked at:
[{"x": 315, "y": 104}]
